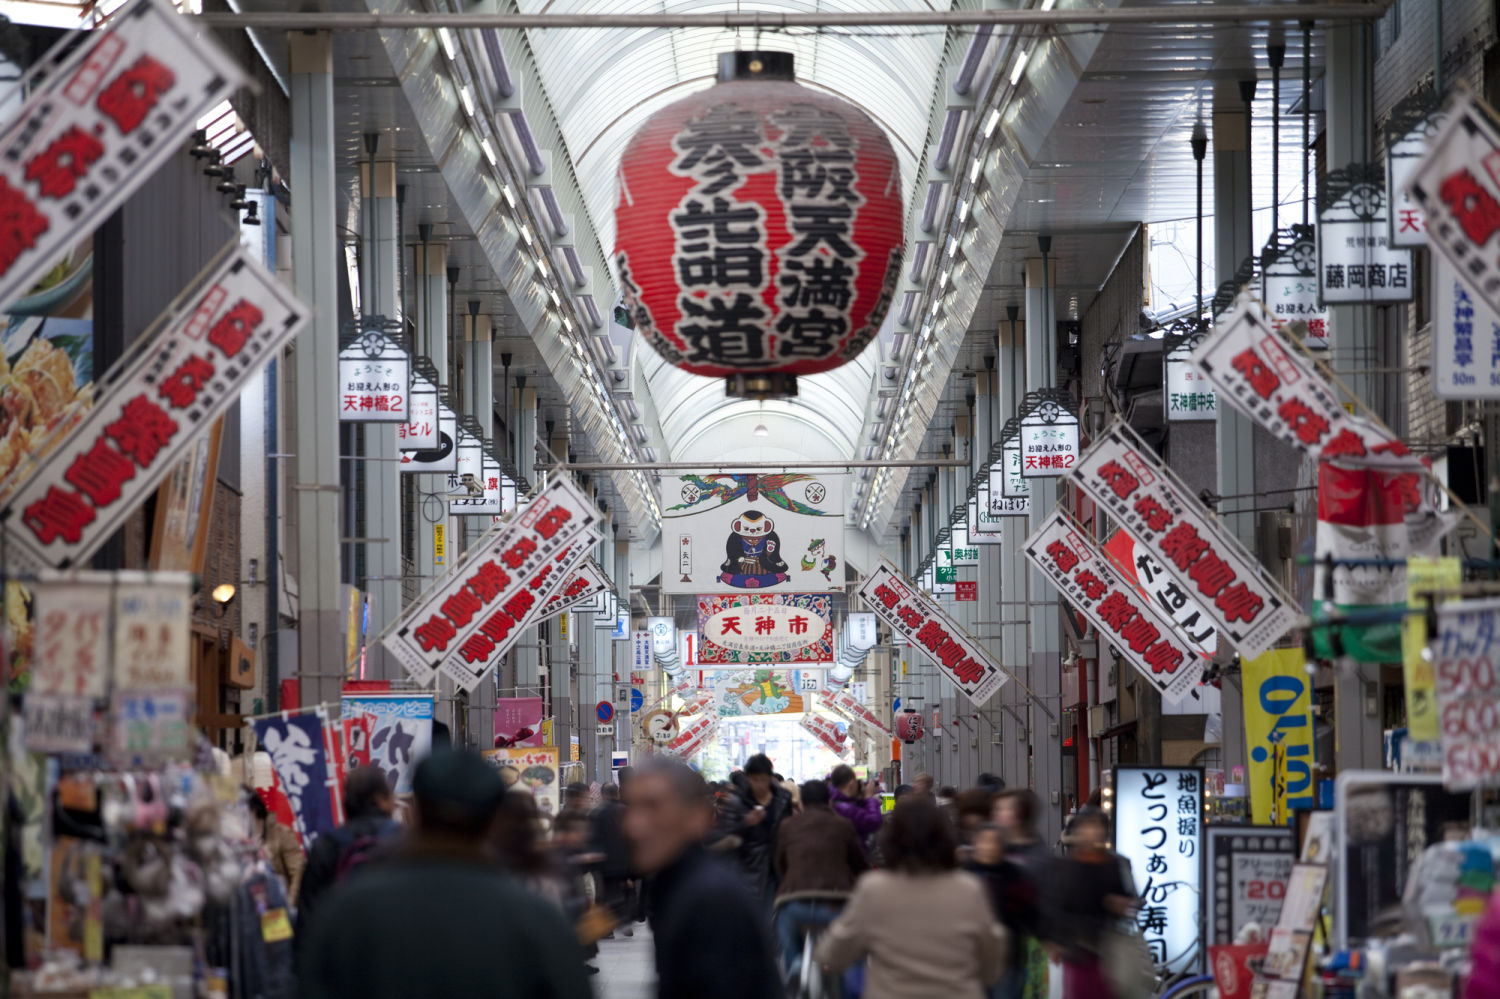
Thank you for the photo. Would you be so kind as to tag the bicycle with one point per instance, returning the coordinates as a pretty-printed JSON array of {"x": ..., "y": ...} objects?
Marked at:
[{"x": 811, "y": 981}]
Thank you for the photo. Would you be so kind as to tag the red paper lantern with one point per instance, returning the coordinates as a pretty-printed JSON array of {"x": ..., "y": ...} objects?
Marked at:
[
  {"x": 759, "y": 228},
  {"x": 909, "y": 726}
]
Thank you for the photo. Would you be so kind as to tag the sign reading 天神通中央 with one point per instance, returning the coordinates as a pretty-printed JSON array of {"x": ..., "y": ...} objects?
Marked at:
[
  {"x": 1468, "y": 692},
  {"x": 1048, "y": 436},
  {"x": 400, "y": 732},
  {"x": 150, "y": 410},
  {"x": 1098, "y": 588},
  {"x": 374, "y": 372},
  {"x": 1289, "y": 286},
  {"x": 1248, "y": 868},
  {"x": 1465, "y": 338},
  {"x": 913, "y": 615},
  {"x": 750, "y": 532},
  {"x": 1356, "y": 262},
  {"x": 420, "y": 431},
  {"x": 1412, "y": 123},
  {"x": 95, "y": 127},
  {"x": 1190, "y": 396},
  {"x": 1458, "y": 187},
  {"x": 1149, "y": 501},
  {"x": 771, "y": 628},
  {"x": 1158, "y": 829},
  {"x": 489, "y": 589}
]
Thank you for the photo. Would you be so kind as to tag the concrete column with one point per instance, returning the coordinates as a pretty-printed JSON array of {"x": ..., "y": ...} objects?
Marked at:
[
  {"x": 380, "y": 261},
  {"x": 1015, "y": 746},
  {"x": 479, "y": 397},
  {"x": 1045, "y": 617},
  {"x": 559, "y": 663},
  {"x": 431, "y": 288},
  {"x": 528, "y": 654},
  {"x": 990, "y": 724},
  {"x": 316, "y": 257},
  {"x": 1232, "y": 244}
]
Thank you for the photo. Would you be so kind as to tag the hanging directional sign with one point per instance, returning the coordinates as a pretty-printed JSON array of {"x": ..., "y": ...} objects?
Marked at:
[
  {"x": 374, "y": 372},
  {"x": 1465, "y": 338},
  {"x": 1356, "y": 263},
  {"x": 1190, "y": 395},
  {"x": 420, "y": 432},
  {"x": 443, "y": 457},
  {"x": 1408, "y": 128},
  {"x": 1000, "y": 504},
  {"x": 1289, "y": 284},
  {"x": 182, "y": 374},
  {"x": 1458, "y": 185},
  {"x": 984, "y": 524},
  {"x": 95, "y": 128},
  {"x": 1048, "y": 434}
]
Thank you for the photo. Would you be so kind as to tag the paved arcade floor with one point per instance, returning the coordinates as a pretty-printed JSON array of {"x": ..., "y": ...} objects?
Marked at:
[{"x": 627, "y": 967}]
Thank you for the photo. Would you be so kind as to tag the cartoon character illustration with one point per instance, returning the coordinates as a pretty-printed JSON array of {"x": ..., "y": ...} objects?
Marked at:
[
  {"x": 816, "y": 554},
  {"x": 753, "y": 553}
]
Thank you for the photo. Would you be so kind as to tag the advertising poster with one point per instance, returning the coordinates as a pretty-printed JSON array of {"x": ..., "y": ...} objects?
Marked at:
[
  {"x": 400, "y": 733},
  {"x": 1423, "y": 575},
  {"x": 151, "y": 626},
  {"x": 753, "y": 532},
  {"x": 1468, "y": 693},
  {"x": 1158, "y": 829},
  {"x": 743, "y": 629},
  {"x": 1279, "y": 735},
  {"x": 1247, "y": 868},
  {"x": 531, "y": 768},
  {"x": 518, "y": 721}
]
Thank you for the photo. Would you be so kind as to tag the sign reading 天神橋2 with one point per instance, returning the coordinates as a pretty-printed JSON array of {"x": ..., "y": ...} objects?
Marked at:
[
  {"x": 772, "y": 628},
  {"x": 1158, "y": 830},
  {"x": 1100, "y": 590},
  {"x": 187, "y": 369},
  {"x": 95, "y": 129},
  {"x": 910, "y": 613},
  {"x": 1163, "y": 516},
  {"x": 752, "y": 533}
]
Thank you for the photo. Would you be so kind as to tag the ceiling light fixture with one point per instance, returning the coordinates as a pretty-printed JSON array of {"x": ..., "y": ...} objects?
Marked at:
[
  {"x": 467, "y": 96},
  {"x": 489, "y": 151},
  {"x": 449, "y": 45},
  {"x": 761, "y": 431},
  {"x": 1019, "y": 68},
  {"x": 991, "y": 122}
]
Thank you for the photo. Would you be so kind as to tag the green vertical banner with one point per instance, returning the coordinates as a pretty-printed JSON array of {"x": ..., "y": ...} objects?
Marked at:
[
  {"x": 1423, "y": 575},
  {"x": 1278, "y": 734}
]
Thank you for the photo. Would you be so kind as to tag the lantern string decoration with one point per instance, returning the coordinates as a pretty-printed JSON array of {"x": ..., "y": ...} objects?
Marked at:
[{"x": 760, "y": 228}]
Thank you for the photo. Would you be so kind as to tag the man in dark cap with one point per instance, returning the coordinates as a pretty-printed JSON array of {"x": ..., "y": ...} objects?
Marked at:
[
  {"x": 335, "y": 856},
  {"x": 440, "y": 918}
]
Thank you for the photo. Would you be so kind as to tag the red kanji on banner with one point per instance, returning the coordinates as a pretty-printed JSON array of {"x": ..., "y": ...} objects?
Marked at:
[
  {"x": 435, "y": 634},
  {"x": 488, "y": 580},
  {"x": 131, "y": 95},
  {"x": 181, "y": 387},
  {"x": 234, "y": 328},
  {"x": 61, "y": 513},
  {"x": 20, "y": 225},
  {"x": 57, "y": 169},
  {"x": 1261, "y": 378},
  {"x": 1475, "y": 208},
  {"x": 99, "y": 473},
  {"x": 142, "y": 429},
  {"x": 552, "y": 521}
]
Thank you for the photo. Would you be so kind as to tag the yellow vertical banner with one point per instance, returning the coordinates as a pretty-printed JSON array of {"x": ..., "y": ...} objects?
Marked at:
[
  {"x": 1423, "y": 575},
  {"x": 1278, "y": 734},
  {"x": 439, "y": 545},
  {"x": 352, "y": 629}
]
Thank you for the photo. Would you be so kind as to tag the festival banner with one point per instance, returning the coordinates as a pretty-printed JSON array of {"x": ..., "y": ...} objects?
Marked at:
[
  {"x": 842, "y": 702},
  {"x": 757, "y": 692},
  {"x": 1278, "y": 735},
  {"x": 829, "y": 732},
  {"x": 182, "y": 374},
  {"x": 295, "y": 744},
  {"x": 96, "y": 127},
  {"x": 1125, "y": 617},
  {"x": 400, "y": 733},
  {"x": 1468, "y": 692},
  {"x": 772, "y": 628},
  {"x": 584, "y": 583},
  {"x": 912, "y": 614},
  {"x": 753, "y": 532},
  {"x": 489, "y": 589},
  {"x": 518, "y": 722},
  {"x": 70, "y": 652},
  {"x": 533, "y": 769},
  {"x": 1145, "y": 497},
  {"x": 1423, "y": 576}
]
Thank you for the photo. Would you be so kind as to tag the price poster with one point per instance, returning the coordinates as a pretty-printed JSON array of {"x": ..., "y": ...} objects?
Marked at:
[
  {"x": 1468, "y": 692},
  {"x": 1246, "y": 870}
]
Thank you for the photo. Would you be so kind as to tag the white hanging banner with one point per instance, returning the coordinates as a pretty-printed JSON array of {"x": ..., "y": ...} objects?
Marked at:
[
  {"x": 96, "y": 127},
  {"x": 374, "y": 374},
  {"x": 443, "y": 456},
  {"x": 1465, "y": 338},
  {"x": 1146, "y": 498},
  {"x": 1465, "y": 649},
  {"x": 70, "y": 648},
  {"x": 152, "y": 622},
  {"x": 583, "y": 583},
  {"x": 185, "y": 371},
  {"x": 1124, "y": 616},
  {"x": 984, "y": 524},
  {"x": 911, "y": 613},
  {"x": 1289, "y": 287},
  {"x": 1458, "y": 185},
  {"x": 488, "y": 588}
]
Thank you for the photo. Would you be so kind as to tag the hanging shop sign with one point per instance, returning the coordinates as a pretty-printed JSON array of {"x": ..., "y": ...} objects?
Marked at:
[
  {"x": 488, "y": 588},
  {"x": 584, "y": 583},
  {"x": 861, "y": 631},
  {"x": 1426, "y": 579},
  {"x": 1158, "y": 830},
  {"x": 966, "y": 591},
  {"x": 1048, "y": 435},
  {"x": 759, "y": 226},
  {"x": 1003, "y": 476},
  {"x": 1186, "y": 614},
  {"x": 95, "y": 128},
  {"x": 1412, "y": 123},
  {"x": 533, "y": 769},
  {"x": 1465, "y": 338},
  {"x": 1278, "y": 735},
  {"x": 607, "y": 612},
  {"x": 1247, "y": 870},
  {"x": 754, "y": 532},
  {"x": 374, "y": 372},
  {"x": 1289, "y": 286},
  {"x": 1457, "y": 186},
  {"x": 420, "y": 431},
  {"x": 844, "y": 702},
  {"x": 1132, "y": 485},
  {"x": 1099, "y": 590},
  {"x": 303, "y": 770},
  {"x": 984, "y": 522},
  {"x": 960, "y": 549},
  {"x": 942, "y": 581},
  {"x": 474, "y": 488},
  {"x": 1468, "y": 692},
  {"x": 1013, "y": 480},
  {"x": 1356, "y": 262},
  {"x": 772, "y": 628},
  {"x": 70, "y": 653},
  {"x": 149, "y": 411},
  {"x": 694, "y": 731},
  {"x": 832, "y": 734},
  {"x": 443, "y": 457},
  {"x": 907, "y": 611},
  {"x": 1190, "y": 395},
  {"x": 400, "y": 732},
  {"x": 151, "y": 726},
  {"x": 152, "y": 621}
]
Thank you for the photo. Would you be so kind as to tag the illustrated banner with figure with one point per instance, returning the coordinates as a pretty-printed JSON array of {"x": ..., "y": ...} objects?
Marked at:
[
  {"x": 400, "y": 732},
  {"x": 750, "y": 532},
  {"x": 295, "y": 745}
]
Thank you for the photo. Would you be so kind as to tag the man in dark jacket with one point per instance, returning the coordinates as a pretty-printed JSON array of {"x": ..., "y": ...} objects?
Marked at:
[
  {"x": 607, "y": 839},
  {"x": 752, "y": 814},
  {"x": 817, "y": 853},
  {"x": 710, "y": 936},
  {"x": 368, "y": 806}
]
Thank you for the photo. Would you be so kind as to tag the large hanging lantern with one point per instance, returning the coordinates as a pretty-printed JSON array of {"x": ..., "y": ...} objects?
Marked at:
[{"x": 759, "y": 228}]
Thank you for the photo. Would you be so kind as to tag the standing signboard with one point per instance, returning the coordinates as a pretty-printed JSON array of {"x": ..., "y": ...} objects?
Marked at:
[
  {"x": 1465, "y": 652},
  {"x": 185, "y": 371},
  {"x": 1465, "y": 338},
  {"x": 1246, "y": 869},
  {"x": 1356, "y": 262},
  {"x": 1132, "y": 485},
  {"x": 1158, "y": 830},
  {"x": 533, "y": 769},
  {"x": 400, "y": 732},
  {"x": 96, "y": 128},
  {"x": 910, "y": 613}
]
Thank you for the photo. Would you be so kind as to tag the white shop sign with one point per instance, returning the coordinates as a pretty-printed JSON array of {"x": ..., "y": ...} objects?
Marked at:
[
  {"x": 1289, "y": 287},
  {"x": 151, "y": 625},
  {"x": 984, "y": 525},
  {"x": 443, "y": 456},
  {"x": 1158, "y": 829},
  {"x": 70, "y": 648},
  {"x": 420, "y": 432},
  {"x": 1012, "y": 482},
  {"x": 1001, "y": 505},
  {"x": 1190, "y": 395},
  {"x": 374, "y": 379},
  {"x": 1465, "y": 652},
  {"x": 1408, "y": 222},
  {"x": 1356, "y": 263},
  {"x": 1465, "y": 338},
  {"x": 1048, "y": 449}
]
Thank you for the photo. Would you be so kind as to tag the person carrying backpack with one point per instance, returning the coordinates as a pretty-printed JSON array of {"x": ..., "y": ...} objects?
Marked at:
[{"x": 369, "y": 804}]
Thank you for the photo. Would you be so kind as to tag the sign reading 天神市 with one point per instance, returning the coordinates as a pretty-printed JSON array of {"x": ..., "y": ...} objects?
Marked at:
[
  {"x": 770, "y": 628},
  {"x": 1149, "y": 501},
  {"x": 151, "y": 407},
  {"x": 753, "y": 533},
  {"x": 1132, "y": 623},
  {"x": 1465, "y": 338},
  {"x": 95, "y": 129},
  {"x": 470, "y": 597},
  {"x": 912, "y": 614},
  {"x": 1468, "y": 692},
  {"x": 1158, "y": 830}
]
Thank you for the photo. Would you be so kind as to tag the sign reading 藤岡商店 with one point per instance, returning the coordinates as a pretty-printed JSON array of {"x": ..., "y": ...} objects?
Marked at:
[{"x": 1356, "y": 262}]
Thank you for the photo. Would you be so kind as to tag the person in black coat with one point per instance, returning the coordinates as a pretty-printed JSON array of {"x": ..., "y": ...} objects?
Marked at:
[
  {"x": 711, "y": 937},
  {"x": 752, "y": 814},
  {"x": 607, "y": 840}
]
